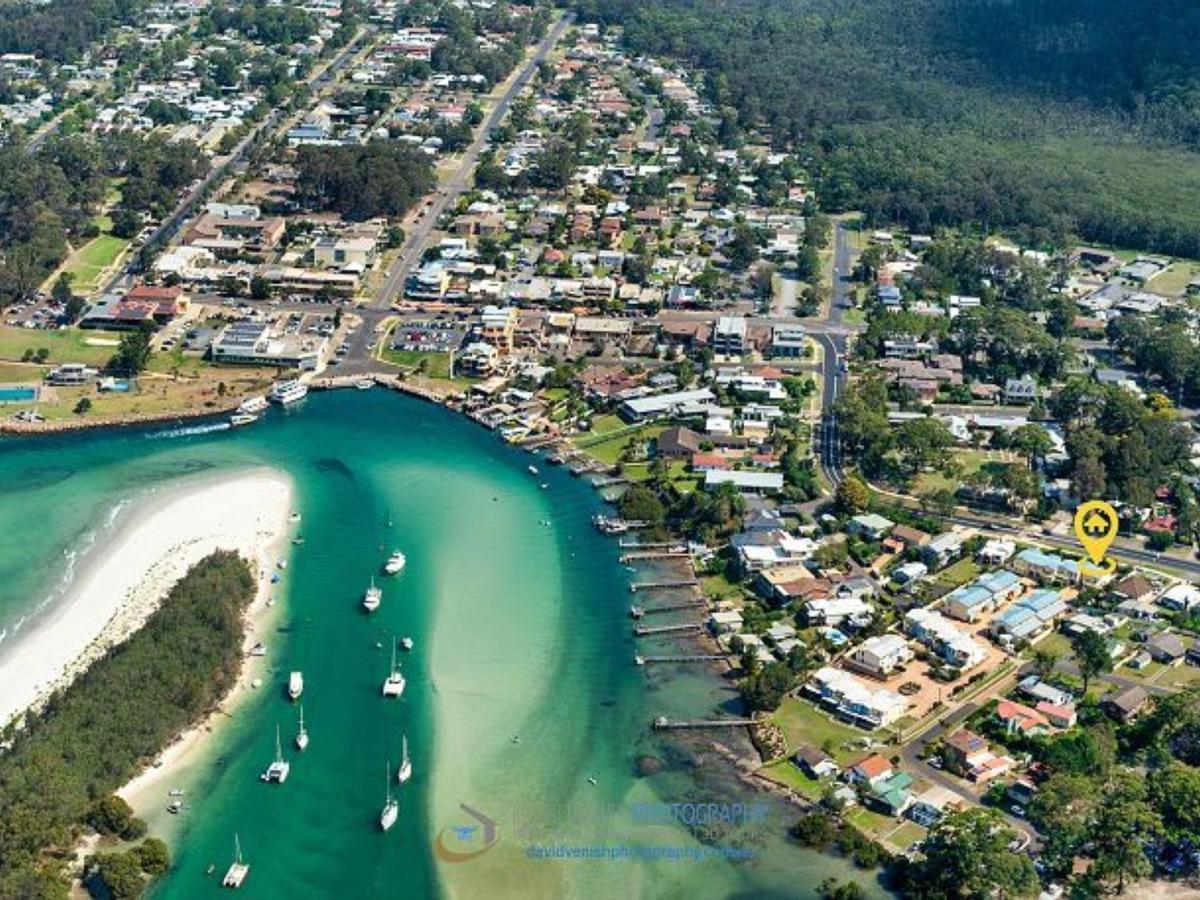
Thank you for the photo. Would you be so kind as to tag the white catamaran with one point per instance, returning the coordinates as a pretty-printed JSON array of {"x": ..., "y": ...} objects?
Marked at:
[
  {"x": 391, "y": 807},
  {"x": 302, "y": 734},
  {"x": 393, "y": 685},
  {"x": 277, "y": 771},
  {"x": 405, "y": 771},
  {"x": 238, "y": 870},
  {"x": 372, "y": 597}
]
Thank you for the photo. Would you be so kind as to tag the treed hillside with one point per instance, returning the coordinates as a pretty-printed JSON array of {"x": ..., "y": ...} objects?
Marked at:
[{"x": 1054, "y": 118}]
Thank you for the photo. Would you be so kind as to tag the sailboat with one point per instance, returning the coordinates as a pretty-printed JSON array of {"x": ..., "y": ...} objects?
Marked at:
[
  {"x": 393, "y": 685},
  {"x": 277, "y": 771},
  {"x": 372, "y": 597},
  {"x": 302, "y": 734},
  {"x": 405, "y": 771},
  {"x": 391, "y": 807},
  {"x": 238, "y": 870}
]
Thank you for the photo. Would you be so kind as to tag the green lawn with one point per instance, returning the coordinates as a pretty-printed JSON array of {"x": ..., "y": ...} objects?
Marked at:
[
  {"x": 960, "y": 573},
  {"x": 970, "y": 460},
  {"x": 1173, "y": 280},
  {"x": 803, "y": 723},
  {"x": 11, "y": 373},
  {"x": 87, "y": 264},
  {"x": 906, "y": 835},
  {"x": 609, "y": 450},
  {"x": 782, "y": 771},
  {"x": 436, "y": 365},
  {"x": 721, "y": 587},
  {"x": 855, "y": 316},
  {"x": 65, "y": 344}
]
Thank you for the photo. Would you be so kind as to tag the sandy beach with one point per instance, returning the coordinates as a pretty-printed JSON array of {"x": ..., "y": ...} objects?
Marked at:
[{"x": 122, "y": 581}]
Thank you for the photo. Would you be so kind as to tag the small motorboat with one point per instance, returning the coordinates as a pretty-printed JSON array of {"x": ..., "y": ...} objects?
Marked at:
[{"x": 406, "y": 643}]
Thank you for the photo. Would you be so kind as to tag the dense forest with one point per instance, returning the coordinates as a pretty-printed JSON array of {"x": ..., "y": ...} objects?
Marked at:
[
  {"x": 49, "y": 198},
  {"x": 90, "y": 739},
  {"x": 62, "y": 30},
  {"x": 362, "y": 182},
  {"x": 1081, "y": 121}
]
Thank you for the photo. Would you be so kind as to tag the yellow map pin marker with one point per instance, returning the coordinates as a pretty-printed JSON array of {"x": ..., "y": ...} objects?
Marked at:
[{"x": 1096, "y": 527}]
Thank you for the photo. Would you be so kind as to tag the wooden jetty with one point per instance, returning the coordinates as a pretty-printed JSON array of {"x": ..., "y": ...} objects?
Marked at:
[
  {"x": 609, "y": 481},
  {"x": 641, "y": 660},
  {"x": 640, "y": 611},
  {"x": 638, "y": 545},
  {"x": 647, "y": 630},
  {"x": 663, "y": 723},
  {"x": 661, "y": 585},
  {"x": 634, "y": 556}
]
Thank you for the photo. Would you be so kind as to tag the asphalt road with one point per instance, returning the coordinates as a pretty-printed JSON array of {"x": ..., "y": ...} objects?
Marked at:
[{"x": 834, "y": 338}]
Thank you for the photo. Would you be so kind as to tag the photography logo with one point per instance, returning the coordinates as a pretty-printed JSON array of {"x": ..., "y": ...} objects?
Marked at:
[{"x": 466, "y": 840}]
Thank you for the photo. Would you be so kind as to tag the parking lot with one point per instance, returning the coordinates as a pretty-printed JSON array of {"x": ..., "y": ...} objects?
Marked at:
[{"x": 428, "y": 335}]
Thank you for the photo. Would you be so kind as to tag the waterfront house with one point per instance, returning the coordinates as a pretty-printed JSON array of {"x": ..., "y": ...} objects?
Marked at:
[
  {"x": 837, "y": 610},
  {"x": 890, "y": 795},
  {"x": 869, "y": 770},
  {"x": 747, "y": 482},
  {"x": 677, "y": 443},
  {"x": 931, "y": 805},
  {"x": 853, "y": 700},
  {"x": 814, "y": 763},
  {"x": 725, "y": 621}
]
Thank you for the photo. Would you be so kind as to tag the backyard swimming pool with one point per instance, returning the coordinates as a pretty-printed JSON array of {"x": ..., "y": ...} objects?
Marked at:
[{"x": 17, "y": 394}]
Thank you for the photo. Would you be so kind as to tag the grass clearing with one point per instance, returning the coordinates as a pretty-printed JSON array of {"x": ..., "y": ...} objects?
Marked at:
[
  {"x": 803, "y": 723},
  {"x": 784, "y": 772},
  {"x": 433, "y": 365},
  {"x": 64, "y": 344},
  {"x": 609, "y": 451},
  {"x": 960, "y": 573},
  {"x": 1173, "y": 280},
  {"x": 971, "y": 461}
]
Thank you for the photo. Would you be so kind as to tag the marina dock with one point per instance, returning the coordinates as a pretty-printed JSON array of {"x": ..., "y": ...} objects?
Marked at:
[
  {"x": 647, "y": 630},
  {"x": 639, "y": 612},
  {"x": 662, "y": 723},
  {"x": 661, "y": 585}
]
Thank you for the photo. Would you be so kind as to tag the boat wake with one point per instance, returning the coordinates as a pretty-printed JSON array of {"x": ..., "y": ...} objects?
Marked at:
[{"x": 189, "y": 431}]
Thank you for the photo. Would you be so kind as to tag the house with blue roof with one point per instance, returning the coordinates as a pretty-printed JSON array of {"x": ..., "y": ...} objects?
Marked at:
[
  {"x": 1048, "y": 568},
  {"x": 986, "y": 593},
  {"x": 1031, "y": 616}
]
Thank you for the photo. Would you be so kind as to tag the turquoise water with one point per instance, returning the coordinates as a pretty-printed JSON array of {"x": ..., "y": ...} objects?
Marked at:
[
  {"x": 17, "y": 394},
  {"x": 521, "y": 686}
]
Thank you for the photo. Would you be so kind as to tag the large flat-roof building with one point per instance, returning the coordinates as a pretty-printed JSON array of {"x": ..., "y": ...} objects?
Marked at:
[{"x": 260, "y": 344}]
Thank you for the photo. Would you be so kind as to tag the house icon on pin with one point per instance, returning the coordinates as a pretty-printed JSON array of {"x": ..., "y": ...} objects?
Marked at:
[{"x": 1096, "y": 524}]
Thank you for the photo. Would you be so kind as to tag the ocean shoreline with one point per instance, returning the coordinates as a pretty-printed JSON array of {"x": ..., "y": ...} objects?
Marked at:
[{"x": 123, "y": 579}]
